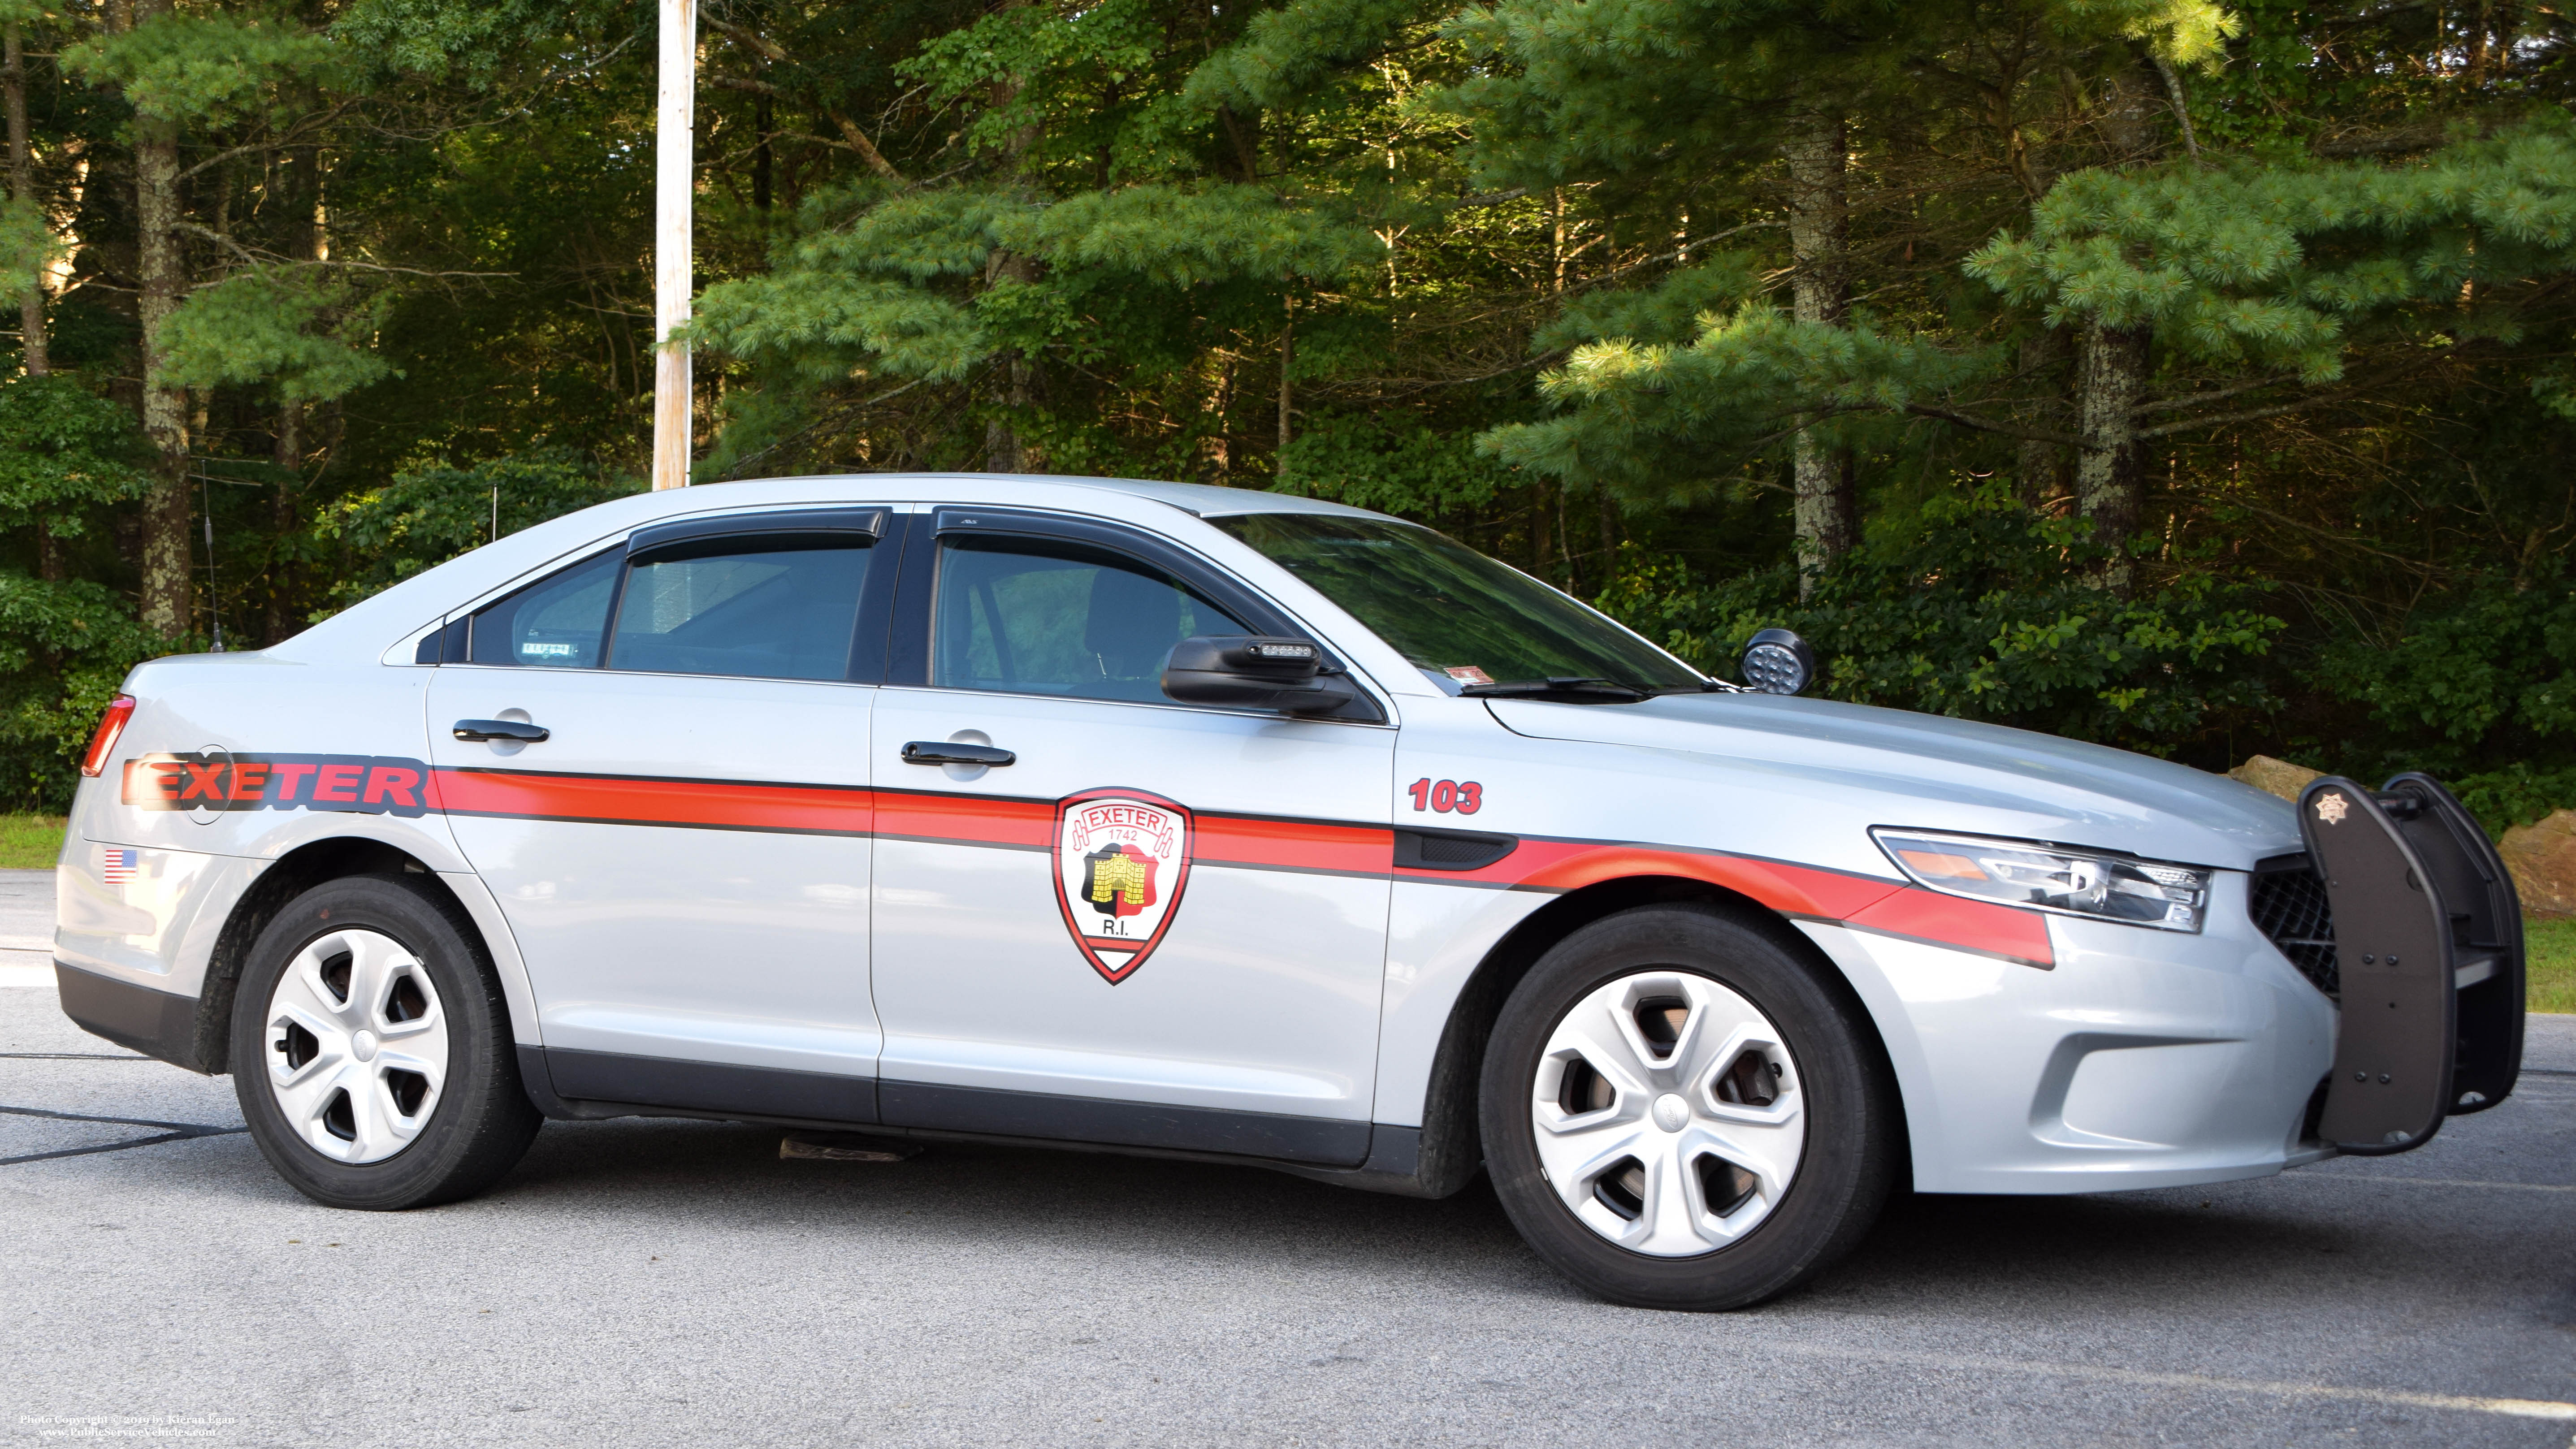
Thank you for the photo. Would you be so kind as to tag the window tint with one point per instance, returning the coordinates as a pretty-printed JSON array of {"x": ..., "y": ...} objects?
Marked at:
[
  {"x": 555, "y": 622},
  {"x": 1459, "y": 616},
  {"x": 1037, "y": 618},
  {"x": 769, "y": 607}
]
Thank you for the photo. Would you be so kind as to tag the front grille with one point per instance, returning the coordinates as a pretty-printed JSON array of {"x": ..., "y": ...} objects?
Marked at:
[{"x": 2288, "y": 903}]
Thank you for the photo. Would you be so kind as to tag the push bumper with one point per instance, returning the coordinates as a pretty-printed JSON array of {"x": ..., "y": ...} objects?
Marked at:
[{"x": 2427, "y": 933}]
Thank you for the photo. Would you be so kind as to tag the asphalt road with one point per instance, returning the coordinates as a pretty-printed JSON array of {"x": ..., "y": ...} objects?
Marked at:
[{"x": 651, "y": 1283}]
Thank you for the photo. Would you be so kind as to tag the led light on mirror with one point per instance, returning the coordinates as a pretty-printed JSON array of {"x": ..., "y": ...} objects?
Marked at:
[{"x": 1777, "y": 661}]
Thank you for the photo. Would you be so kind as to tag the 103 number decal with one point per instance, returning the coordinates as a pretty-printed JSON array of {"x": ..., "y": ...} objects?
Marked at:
[{"x": 1464, "y": 796}]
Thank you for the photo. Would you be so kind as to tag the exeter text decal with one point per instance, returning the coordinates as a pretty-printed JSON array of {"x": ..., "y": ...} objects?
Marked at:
[
  {"x": 1121, "y": 859},
  {"x": 361, "y": 784}
]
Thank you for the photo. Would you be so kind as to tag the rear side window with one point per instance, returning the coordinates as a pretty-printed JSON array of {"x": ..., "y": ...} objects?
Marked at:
[
  {"x": 773, "y": 606},
  {"x": 556, "y": 622}
]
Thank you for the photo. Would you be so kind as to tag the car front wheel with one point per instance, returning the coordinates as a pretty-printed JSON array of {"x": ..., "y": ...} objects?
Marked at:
[
  {"x": 1678, "y": 1113},
  {"x": 371, "y": 1050}
]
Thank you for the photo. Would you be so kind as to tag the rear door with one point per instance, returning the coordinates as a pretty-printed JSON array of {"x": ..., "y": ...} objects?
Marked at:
[
  {"x": 684, "y": 859},
  {"x": 1159, "y": 925}
]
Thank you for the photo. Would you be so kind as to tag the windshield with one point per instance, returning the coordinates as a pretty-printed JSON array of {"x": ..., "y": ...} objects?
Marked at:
[{"x": 1460, "y": 617}]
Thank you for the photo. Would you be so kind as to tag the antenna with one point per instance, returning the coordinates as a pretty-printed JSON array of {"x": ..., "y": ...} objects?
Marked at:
[
  {"x": 214, "y": 600},
  {"x": 496, "y": 513}
]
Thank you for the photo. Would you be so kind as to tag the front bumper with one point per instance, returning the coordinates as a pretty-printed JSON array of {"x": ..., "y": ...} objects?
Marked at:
[{"x": 2144, "y": 1059}]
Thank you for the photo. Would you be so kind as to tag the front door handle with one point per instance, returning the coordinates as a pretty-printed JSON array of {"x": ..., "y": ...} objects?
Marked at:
[
  {"x": 501, "y": 729},
  {"x": 948, "y": 752}
]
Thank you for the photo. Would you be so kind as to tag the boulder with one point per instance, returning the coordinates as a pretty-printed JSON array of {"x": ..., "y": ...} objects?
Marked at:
[
  {"x": 2542, "y": 858},
  {"x": 2275, "y": 777}
]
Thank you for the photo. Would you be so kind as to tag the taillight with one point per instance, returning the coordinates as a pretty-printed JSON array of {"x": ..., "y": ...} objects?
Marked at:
[{"x": 110, "y": 725}]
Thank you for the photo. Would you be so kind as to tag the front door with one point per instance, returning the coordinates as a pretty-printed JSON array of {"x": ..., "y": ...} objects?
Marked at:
[
  {"x": 684, "y": 858},
  {"x": 1158, "y": 925}
]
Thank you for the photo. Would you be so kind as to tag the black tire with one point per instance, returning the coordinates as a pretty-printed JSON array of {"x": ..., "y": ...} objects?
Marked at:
[
  {"x": 1852, "y": 1140},
  {"x": 481, "y": 1123}
]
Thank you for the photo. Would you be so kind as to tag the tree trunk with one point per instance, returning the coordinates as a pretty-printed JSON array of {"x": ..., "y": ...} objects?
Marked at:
[
  {"x": 281, "y": 518},
  {"x": 2040, "y": 475},
  {"x": 2108, "y": 474},
  {"x": 299, "y": 192},
  {"x": 1826, "y": 516},
  {"x": 31, "y": 296},
  {"x": 22, "y": 189},
  {"x": 1004, "y": 450},
  {"x": 167, "y": 608},
  {"x": 763, "y": 159}
]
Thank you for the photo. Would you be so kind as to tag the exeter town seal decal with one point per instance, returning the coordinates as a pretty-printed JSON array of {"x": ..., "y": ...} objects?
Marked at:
[{"x": 1121, "y": 858}]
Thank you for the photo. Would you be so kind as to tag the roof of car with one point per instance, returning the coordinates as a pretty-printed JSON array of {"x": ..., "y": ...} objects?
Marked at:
[{"x": 1204, "y": 500}]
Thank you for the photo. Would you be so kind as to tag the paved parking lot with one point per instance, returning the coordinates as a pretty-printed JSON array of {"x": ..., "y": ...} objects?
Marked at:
[{"x": 648, "y": 1283}]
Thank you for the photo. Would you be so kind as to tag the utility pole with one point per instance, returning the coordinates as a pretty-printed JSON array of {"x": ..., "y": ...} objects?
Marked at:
[{"x": 674, "y": 158}]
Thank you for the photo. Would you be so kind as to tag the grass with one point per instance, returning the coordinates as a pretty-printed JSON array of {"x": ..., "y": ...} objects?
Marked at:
[
  {"x": 2549, "y": 949},
  {"x": 30, "y": 842}
]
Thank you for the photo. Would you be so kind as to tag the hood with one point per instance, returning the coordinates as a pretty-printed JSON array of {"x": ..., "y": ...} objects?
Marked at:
[{"x": 1935, "y": 773}]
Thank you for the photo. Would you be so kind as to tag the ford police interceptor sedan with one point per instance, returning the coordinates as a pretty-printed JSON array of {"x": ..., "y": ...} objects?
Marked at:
[{"x": 1234, "y": 826}]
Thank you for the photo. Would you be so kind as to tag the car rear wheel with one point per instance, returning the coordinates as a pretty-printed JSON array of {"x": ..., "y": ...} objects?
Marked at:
[
  {"x": 371, "y": 1050},
  {"x": 1678, "y": 1113}
]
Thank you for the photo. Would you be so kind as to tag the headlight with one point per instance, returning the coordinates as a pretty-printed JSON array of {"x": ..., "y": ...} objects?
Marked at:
[{"x": 2051, "y": 878}]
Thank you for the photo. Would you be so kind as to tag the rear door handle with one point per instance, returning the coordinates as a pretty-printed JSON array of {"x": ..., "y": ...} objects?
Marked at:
[
  {"x": 946, "y": 752},
  {"x": 501, "y": 729}
]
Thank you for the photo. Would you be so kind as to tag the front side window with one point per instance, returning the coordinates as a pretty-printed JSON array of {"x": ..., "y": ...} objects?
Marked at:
[
  {"x": 555, "y": 623},
  {"x": 762, "y": 607},
  {"x": 1459, "y": 616},
  {"x": 1021, "y": 616}
]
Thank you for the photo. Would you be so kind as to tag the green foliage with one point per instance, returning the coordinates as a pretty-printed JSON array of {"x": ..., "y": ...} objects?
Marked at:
[
  {"x": 2478, "y": 679},
  {"x": 474, "y": 40},
  {"x": 427, "y": 516},
  {"x": 292, "y": 329},
  {"x": 1287, "y": 54},
  {"x": 1170, "y": 236},
  {"x": 1984, "y": 612},
  {"x": 1100, "y": 45},
  {"x": 64, "y": 647},
  {"x": 64, "y": 453},
  {"x": 881, "y": 288},
  {"x": 2514, "y": 795},
  {"x": 203, "y": 65},
  {"x": 27, "y": 242},
  {"x": 1395, "y": 467},
  {"x": 1650, "y": 419},
  {"x": 2267, "y": 265}
]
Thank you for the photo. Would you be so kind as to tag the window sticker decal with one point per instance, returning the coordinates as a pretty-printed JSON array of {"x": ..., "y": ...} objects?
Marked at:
[
  {"x": 359, "y": 784},
  {"x": 1121, "y": 859}
]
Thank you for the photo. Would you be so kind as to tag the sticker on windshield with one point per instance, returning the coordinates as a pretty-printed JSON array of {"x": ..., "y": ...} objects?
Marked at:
[
  {"x": 1468, "y": 674},
  {"x": 1121, "y": 858}
]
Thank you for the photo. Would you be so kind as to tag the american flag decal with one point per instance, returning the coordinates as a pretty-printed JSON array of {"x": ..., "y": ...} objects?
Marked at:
[{"x": 116, "y": 864}]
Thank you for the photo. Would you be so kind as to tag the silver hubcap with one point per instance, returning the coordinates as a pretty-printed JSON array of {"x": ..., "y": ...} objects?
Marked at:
[
  {"x": 1668, "y": 1113},
  {"x": 357, "y": 1046}
]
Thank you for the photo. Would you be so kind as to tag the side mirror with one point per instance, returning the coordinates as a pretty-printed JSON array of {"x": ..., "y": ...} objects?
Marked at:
[
  {"x": 1261, "y": 671},
  {"x": 1778, "y": 662}
]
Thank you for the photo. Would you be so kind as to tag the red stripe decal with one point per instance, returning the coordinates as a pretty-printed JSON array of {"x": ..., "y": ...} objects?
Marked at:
[
  {"x": 1295, "y": 845},
  {"x": 1797, "y": 890},
  {"x": 1547, "y": 865},
  {"x": 740, "y": 806},
  {"x": 967, "y": 819},
  {"x": 1996, "y": 930}
]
